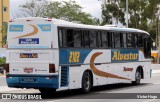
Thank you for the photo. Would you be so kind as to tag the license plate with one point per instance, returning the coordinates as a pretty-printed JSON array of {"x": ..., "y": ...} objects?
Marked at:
[
  {"x": 28, "y": 55},
  {"x": 28, "y": 80}
]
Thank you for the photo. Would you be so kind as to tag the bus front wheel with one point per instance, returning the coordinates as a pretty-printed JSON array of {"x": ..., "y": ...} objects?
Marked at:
[
  {"x": 137, "y": 78},
  {"x": 86, "y": 82}
]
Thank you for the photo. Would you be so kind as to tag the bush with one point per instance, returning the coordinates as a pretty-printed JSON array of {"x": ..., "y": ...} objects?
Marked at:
[{"x": 3, "y": 62}]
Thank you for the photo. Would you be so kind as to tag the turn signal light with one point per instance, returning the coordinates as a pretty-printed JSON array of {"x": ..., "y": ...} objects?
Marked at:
[{"x": 51, "y": 68}]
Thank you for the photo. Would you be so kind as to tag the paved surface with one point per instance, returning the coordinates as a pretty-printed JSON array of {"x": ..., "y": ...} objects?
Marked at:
[
  {"x": 123, "y": 92},
  {"x": 2, "y": 81}
]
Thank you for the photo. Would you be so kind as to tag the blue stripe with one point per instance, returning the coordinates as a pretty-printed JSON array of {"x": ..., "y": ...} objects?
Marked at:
[
  {"x": 45, "y": 27},
  {"x": 39, "y": 82},
  {"x": 73, "y": 56},
  {"x": 16, "y": 28}
]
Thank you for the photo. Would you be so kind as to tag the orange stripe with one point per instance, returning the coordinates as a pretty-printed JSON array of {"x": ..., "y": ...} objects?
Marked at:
[
  {"x": 99, "y": 72},
  {"x": 35, "y": 31}
]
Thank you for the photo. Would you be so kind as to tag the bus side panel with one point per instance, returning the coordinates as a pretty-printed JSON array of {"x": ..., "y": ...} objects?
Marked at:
[
  {"x": 54, "y": 41},
  {"x": 100, "y": 63},
  {"x": 55, "y": 59},
  {"x": 127, "y": 70},
  {"x": 146, "y": 69},
  {"x": 73, "y": 60},
  {"x": 146, "y": 64},
  {"x": 75, "y": 76}
]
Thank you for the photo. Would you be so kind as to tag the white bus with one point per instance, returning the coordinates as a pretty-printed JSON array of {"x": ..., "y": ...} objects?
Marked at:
[{"x": 53, "y": 55}]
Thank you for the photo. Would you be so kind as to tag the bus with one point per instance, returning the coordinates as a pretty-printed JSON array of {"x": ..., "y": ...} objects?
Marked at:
[{"x": 53, "y": 55}]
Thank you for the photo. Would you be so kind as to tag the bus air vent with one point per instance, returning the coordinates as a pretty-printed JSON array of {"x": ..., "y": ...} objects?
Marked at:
[{"x": 64, "y": 76}]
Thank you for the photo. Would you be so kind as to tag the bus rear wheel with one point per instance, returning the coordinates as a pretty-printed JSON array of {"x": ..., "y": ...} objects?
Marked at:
[
  {"x": 137, "y": 78},
  {"x": 86, "y": 82},
  {"x": 47, "y": 90}
]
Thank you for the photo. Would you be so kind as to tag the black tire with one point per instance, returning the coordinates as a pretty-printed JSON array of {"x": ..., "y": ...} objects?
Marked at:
[
  {"x": 137, "y": 78},
  {"x": 86, "y": 82},
  {"x": 47, "y": 91}
]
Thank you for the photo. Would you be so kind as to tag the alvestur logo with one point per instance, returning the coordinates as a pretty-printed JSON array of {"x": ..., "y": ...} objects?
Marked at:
[{"x": 124, "y": 55}]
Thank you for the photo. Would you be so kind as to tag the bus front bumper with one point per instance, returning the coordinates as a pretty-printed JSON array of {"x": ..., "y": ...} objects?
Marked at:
[{"x": 35, "y": 81}]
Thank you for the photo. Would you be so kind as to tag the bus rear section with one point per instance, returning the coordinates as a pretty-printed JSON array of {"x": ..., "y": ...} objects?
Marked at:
[{"x": 31, "y": 58}]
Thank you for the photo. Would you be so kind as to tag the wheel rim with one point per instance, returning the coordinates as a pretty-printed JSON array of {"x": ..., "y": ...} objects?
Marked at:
[
  {"x": 138, "y": 77},
  {"x": 87, "y": 81}
]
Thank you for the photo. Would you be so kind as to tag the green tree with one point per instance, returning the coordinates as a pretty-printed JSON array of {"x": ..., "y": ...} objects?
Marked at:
[
  {"x": 2, "y": 62},
  {"x": 112, "y": 13},
  {"x": 33, "y": 8},
  {"x": 70, "y": 11},
  {"x": 142, "y": 13},
  {"x": 4, "y": 32}
]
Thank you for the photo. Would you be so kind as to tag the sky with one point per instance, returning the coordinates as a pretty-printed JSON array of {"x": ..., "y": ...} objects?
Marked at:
[{"x": 90, "y": 6}]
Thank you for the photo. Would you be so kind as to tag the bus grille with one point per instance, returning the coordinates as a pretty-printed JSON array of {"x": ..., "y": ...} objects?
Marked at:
[{"x": 64, "y": 76}]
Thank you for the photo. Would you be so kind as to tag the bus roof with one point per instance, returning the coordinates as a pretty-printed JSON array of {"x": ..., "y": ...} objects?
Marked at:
[{"x": 64, "y": 23}]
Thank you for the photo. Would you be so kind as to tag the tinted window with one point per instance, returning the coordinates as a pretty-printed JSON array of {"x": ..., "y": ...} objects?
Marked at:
[
  {"x": 86, "y": 38},
  {"x": 92, "y": 39},
  {"x": 69, "y": 38},
  {"x": 133, "y": 40},
  {"x": 140, "y": 40},
  {"x": 147, "y": 47},
  {"x": 99, "y": 41},
  {"x": 130, "y": 40},
  {"x": 124, "y": 40},
  {"x": 136, "y": 40},
  {"x": 117, "y": 40},
  {"x": 113, "y": 41},
  {"x": 104, "y": 39},
  {"x": 64, "y": 37},
  {"x": 77, "y": 38},
  {"x": 60, "y": 37},
  {"x": 110, "y": 39}
]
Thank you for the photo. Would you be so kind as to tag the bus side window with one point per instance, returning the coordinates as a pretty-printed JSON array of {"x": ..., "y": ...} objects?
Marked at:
[
  {"x": 133, "y": 40},
  {"x": 140, "y": 40},
  {"x": 99, "y": 39},
  {"x": 77, "y": 38},
  {"x": 68, "y": 38},
  {"x": 93, "y": 41},
  {"x": 124, "y": 40},
  {"x": 86, "y": 38},
  {"x": 110, "y": 39},
  {"x": 60, "y": 37},
  {"x": 136, "y": 40},
  {"x": 147, "y": 46},
  {"x": 117, "y": 40},
  {"x": 64, "y": 38},
  {"x": 130, "y": 40},
  {"x": 104, "y": 39}
]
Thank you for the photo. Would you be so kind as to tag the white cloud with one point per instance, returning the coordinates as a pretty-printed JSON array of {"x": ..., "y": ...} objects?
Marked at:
[
  {"x": 14, "y": 5},
  {"x": 92, "y": 6}
]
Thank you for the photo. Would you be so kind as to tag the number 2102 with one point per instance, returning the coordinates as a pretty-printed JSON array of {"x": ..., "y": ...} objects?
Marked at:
[{"x": 74, "y": 57}]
